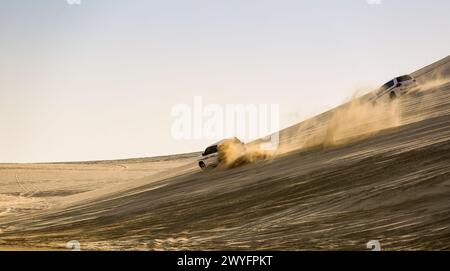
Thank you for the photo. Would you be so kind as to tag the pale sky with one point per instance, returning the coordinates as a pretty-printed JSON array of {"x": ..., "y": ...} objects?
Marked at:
[{"x": 98, "y": 80}]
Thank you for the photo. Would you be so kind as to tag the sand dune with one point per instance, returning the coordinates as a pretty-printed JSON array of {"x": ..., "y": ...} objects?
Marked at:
[{"x": 353, "y": 174}]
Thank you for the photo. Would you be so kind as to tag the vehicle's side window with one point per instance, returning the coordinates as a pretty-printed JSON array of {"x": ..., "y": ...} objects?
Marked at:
[
  {"x": 388, "y": 85},
  {"x": 391, "y": 84},
  {"x": 209, "y": 150},
  {"x": 404, "y": 78}
]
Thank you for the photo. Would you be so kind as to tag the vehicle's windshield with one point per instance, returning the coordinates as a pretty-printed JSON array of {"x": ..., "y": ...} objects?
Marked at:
[
  {"x": 209, "y": 150},
  {"x": 404, "y": 78}
]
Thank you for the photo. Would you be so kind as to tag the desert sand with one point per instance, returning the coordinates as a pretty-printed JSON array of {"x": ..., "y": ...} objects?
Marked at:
[{"x": 357, "y": 173}]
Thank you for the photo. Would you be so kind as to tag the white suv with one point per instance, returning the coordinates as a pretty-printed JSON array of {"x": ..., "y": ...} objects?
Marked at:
[
  {"x": 215, "y": 153},
  {"x": 396, "y": 87}
]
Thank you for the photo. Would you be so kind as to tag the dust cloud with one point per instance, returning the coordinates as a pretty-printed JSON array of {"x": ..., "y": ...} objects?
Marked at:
[
  {"x": 352, "y": 121},
  {"x": 355, "y": 120},
  {"x": 431, "y": 84},
  {"x": 233, "y": 154},
  {"x": 359, "y": 119}
]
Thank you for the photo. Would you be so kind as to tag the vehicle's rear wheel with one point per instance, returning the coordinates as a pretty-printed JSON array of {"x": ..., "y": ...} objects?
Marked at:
[
  {"x": 202, "y": 165},
  {"x": 392, "y": 95}
]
